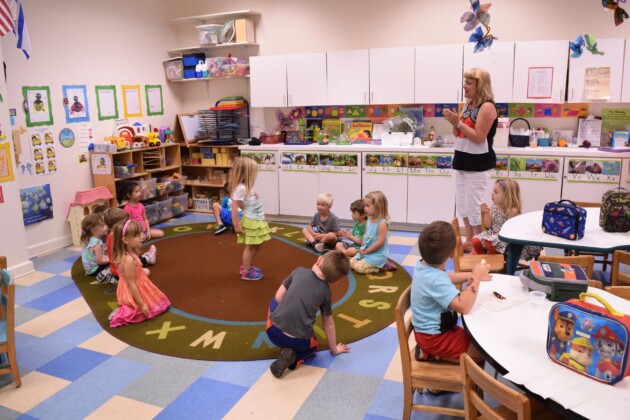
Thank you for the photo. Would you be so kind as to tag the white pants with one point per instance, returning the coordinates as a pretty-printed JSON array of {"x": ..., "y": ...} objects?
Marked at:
[{"x": 470, "y": 191}]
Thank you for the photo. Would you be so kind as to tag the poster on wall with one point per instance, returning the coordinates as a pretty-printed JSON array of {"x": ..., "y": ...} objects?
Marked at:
[
  {"x": 37, "y": 204},
  {"x": 131, "y": 101},
  {"x": 43, "y": 151},
  {"x": 75, "y": 103},
  {"x": 85, "y": 134},
  {"x": 37, "y": 107},
  {"x": 540, "y": 82},
  {"x": 6, "y": 166},
  {"x": 155, "y": 104},
  {"x": 106, "y": 102},
  {"x": 101, "y": 164}
]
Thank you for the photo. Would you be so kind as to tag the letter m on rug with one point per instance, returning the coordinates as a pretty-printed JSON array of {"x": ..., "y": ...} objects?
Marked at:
[{"x": 210, "y": 338}]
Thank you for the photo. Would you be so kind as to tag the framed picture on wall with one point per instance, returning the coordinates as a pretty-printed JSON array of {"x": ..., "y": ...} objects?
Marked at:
[
  {"x": 155, "y": 104},
  {"x": 6, "y": 167},
  {"x": 75, "y": 103},
  {"x": 37, "y": 105},
  {"x": 106, "y": 102},
  {"x": 131, "y": 101}
]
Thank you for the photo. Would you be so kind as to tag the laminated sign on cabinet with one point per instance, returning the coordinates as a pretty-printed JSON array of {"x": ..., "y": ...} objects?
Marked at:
[
  {"x": 540, "y": 179},
  {"x": 589, "y": 179}
]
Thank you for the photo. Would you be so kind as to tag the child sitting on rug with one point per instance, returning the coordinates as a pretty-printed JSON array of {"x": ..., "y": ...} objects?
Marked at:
[
  {"x": 350, "y": 241},
  {"x": 252, "y": 229},
  {"x": 138, "y": 298},
  {"x": 292, "y": 312},
  {"x": 223, "y": 212},
  {"x": 132, "y": 192},
  {"x": 323, "y": 228},
  {"x": 95, "y": 261},
  {"x": 112, "y": 217},
  {"x": 435, "y": 300},
  {"x": 372, "y": 255}
]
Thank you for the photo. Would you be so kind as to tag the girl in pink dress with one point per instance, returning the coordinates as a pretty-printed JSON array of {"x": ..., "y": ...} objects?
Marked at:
[{"x": 138, "y": 298}]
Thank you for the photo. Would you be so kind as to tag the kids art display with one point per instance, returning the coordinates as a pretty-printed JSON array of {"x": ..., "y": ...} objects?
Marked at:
[
  {"x": 43, "y": 153},
  {"x": 75, "y": 103},
  {"x": 587, "y": 41},
  {"x": 37, "y": 105},
  {"x": 478, "y": 19},
  {"x": 620, "y": 14},
  {"x": 37, "y": 204}
]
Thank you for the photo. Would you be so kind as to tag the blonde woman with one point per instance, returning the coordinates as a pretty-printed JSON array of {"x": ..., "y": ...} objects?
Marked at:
[
  {"x": 474, "y": 157},
  {"x": 252, "y": 229}
]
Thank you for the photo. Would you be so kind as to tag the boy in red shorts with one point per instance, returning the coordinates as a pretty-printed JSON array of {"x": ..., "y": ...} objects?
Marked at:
[{"x": 435, "y": 301}]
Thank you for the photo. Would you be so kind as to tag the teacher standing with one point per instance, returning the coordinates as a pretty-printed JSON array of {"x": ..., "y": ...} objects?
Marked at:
[{"x": 474, "y": 158}]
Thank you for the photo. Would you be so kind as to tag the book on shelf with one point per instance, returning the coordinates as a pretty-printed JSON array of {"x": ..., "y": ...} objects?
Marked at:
[{"x": 360, "y": 132}]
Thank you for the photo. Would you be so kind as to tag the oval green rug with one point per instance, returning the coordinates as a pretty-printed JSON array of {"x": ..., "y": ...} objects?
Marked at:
[{"x": 217, "y": 316}]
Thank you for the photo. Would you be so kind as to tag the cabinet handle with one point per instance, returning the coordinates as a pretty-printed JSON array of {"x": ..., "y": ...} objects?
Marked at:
[
  {"x": 284, "y": 100},
  {"x": 372, "y": 98},
  {"x": 572, "y": 93},
  {"x": 365, "y": 97},
  {"x": 290, "y": 100},
  {"x": 562, "y": 95},
  {"x": 458, "y": 97}
]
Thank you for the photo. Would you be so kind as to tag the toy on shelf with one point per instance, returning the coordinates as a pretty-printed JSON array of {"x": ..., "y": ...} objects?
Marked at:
[
  {"x": 153, "y": 139},
  {"x": 122, "y": 142}
]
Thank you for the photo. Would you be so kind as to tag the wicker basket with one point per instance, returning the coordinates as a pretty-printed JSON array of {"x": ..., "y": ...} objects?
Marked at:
[{"x": 519, "y": 140}]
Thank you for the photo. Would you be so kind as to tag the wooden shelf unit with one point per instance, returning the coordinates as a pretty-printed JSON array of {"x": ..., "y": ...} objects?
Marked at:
[{"x": 158, "y": 161}]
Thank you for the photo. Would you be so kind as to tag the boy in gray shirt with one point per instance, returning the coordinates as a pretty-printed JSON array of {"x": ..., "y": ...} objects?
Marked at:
[{"x": 323, "y": 228}]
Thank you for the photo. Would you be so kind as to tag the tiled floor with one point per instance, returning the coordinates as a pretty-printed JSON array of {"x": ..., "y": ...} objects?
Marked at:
[{"x": 71, "y": 368}]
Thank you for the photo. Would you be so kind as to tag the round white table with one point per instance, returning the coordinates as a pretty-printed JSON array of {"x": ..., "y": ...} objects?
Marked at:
[
  {"x": 525, "y": 229},
  {"x": 512, "y": 335}
]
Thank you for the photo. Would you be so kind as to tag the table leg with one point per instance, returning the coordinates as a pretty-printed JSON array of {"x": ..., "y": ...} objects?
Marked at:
[{"x": 514, "y": 253}]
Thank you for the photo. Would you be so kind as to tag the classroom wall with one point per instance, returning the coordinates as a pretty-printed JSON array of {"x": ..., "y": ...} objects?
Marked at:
[
  {"x": 87, "y": 42},
  {"x": 124, "y": 42}
]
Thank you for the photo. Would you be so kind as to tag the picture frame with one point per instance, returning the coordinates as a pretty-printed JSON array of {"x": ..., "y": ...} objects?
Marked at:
[
  {"x": 6, "y": 165},
  {"x": 131, "y": 101},
  {"x": 75, "y": 103},
  {"x": 155, "y": 102},
  {"x": 37, "y": 105},
  {"x": 106, "y": 102}
]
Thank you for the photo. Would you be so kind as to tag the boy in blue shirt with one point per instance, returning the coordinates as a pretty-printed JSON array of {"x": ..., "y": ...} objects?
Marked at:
[
  {"x": 223, "y": 212},
  {"x": 435, "y": 301}
]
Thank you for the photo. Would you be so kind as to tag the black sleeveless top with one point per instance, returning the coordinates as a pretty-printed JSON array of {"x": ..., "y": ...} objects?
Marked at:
[{"x": 463, "y": 161}]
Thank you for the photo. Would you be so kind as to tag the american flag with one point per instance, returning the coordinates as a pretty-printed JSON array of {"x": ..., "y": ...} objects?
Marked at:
[{"x": 6, "y": 19}]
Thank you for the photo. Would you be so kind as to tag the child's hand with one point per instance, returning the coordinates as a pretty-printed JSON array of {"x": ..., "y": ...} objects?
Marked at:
[
  {"x": 318, "y": 236},
  {"x": 238, "y": 229},
  {"x": 344, "y": 233},
  {"x": 484, "y": 208},
  {"x": 482, "y": 271},
  {"x": 144, "y": 309},
  {"x": 341, "y": 348}
]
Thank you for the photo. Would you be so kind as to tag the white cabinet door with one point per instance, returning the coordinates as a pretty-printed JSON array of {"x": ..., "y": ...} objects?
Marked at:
[
  {"x": 348, "y": 77},
  {"x": 392, "y": 75},
  {"x": 298, "y": 182},
  {"x": 387, "y": 172},
  {"x": 625, "y": 92},
  {"x": 340, "y": 175},
  {"x": 430, "y": 188},
  {"x": 306, "y": 79},
  {"x": 499, "y": 61},
  {"x": 540, "y": 71},
  {"x": 268, "y": 80},
  {"x": 438, "y": 76},
  {"x": 613, "y": 58},
  {"x": 267, "y": 180}
]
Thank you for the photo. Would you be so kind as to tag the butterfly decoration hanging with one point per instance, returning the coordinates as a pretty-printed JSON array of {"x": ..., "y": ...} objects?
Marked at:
[
  {"x": 619, "y": 14},
  {"x": 478, "y": 18},
  {"x": 580, "y": 43}
]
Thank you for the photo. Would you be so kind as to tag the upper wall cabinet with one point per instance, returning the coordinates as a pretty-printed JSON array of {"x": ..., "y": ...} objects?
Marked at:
[
  {"x": 306, "y": 79},
  {"x": 540, "y": 71},
  {"x": 499, "y": 61},
  {"x": 438, "y": 74},
  {"x": 625, "y": 91},
  {"x": 348, "y": 77},
  {"x": 268, "y": 83},
  {"x": 612, "y": 59},
  {"x": 392, "y": 75}
]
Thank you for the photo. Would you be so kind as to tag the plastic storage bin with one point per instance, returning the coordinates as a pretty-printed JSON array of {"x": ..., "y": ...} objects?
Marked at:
[
  {"x": 124, "y": 171},
  {"x": 209, "y": 34},
  {"x": 162, "y": 187},
  {"x": 148, "y": 187},
  {"x": 177, "y": 184},
  {"x": 180, "y": 204},
  {"x": 174, "y": 69},
  {"x": 202, "y": 204},
  {"x": 152, "y": 212},
  {"x": 165, "y": 209}
]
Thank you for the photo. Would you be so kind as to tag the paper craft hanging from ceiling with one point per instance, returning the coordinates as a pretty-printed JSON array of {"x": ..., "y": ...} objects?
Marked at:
[{"x": 478, "y": 19}]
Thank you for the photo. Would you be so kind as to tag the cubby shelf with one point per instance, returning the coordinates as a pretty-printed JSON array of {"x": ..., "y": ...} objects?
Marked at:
[{"x": 201, "y": 48}]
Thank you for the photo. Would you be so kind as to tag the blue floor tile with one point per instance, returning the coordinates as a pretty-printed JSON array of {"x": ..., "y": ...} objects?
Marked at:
[
  {"x": 42, "y": 289},
  {"x": 238, "y": 373},
  {"x": 57, "y": 267},
  {"x": 387, "y": 401},
  {"x": 55, "y": 299},
  {"x": 399, "y": 250},
  {"x": 74, "y": 363},
  {"x": 206, "y": 398},
  {"x": 378, "y": 348}
]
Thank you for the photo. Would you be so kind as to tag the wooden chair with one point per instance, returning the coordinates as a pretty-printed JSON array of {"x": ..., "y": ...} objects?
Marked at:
[
  {"x": 3, "y": 262},
  {"x": 438, "y": 375},
  {"x": 621, "y": 291},
  {"x": 618, "y": 278},
  {"x": 465, "y": 263},
  {"x": 603, "y": 259},
  {"x": 513, "y": 404},
  {"x": 7, "y": 326},
  {"x": 585, "y": 261}
]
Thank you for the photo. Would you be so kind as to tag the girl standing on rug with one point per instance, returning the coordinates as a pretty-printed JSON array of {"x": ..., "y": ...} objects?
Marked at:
[
  {"x": 132, "y": 192},
  {"x": 372, "y": 255},
  {"x": 252, "y": 229},
  {"x": 138, "y": 298}
]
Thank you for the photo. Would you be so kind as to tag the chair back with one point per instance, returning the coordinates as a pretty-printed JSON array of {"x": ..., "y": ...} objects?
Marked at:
[
  {"x": 587, "y": 262},
  {"x": 474, "y": 377},
  {"x": 465, "y": 263},
  {"x": 7, "y": 298},
  {"x": 3, "y": 262},
  {"x": 404, "y": 329},
  {"x": 588, "y": 204},
  {"x": 459, "y": 247},
  {"x": 7, "y": 326},
  {"x": 621, "y": 291},
  {"x": 617, "y": 277}
]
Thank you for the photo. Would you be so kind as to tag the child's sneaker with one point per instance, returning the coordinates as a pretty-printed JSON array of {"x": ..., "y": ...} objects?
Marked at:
[
  {"x": 151, "y": 255},
  {"x": 257, "y": 269},
  {"x": 423, "y": 356},
  {"x": 220, "y": 229},
  {"x": 286, "y": 359},
  {"x": 251, "y": 274},
  {"x": 319, "y": 247}
]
